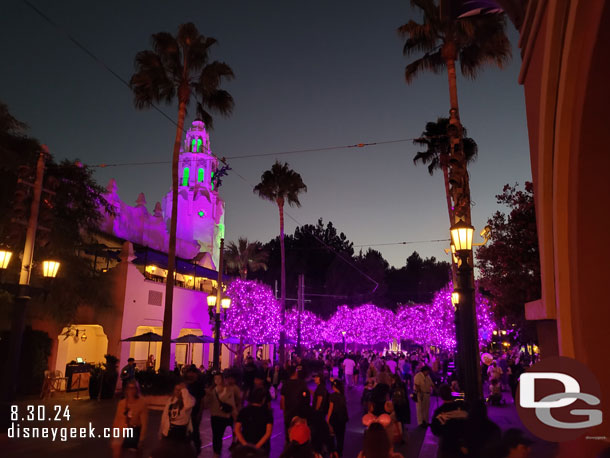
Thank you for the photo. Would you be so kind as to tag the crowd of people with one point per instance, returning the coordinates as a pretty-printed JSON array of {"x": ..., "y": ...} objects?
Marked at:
[{"x": 312, "y": 397}]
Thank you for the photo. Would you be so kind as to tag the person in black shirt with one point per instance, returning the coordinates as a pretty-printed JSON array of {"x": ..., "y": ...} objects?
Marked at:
[
  {"x": 292, "y": 396},
  {"x": 482, "y": 434},
  {"x": 195, "y": 384},
  {"x": 337, "y": 416},
  {"x": 449, "y": 424},
  {"x": 320, "y": 395},
  {"x": 255, "y": 423},
  {"x": 250, "y": 370}
]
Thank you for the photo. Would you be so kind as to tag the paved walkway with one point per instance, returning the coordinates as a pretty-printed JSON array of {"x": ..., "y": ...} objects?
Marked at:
[{"x": 101, "y": 414}]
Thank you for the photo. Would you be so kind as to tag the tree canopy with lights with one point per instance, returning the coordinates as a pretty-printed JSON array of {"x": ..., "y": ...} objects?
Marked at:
[
  {"x": 311, "y": 327},
  {"x": 254, "y": 315}
]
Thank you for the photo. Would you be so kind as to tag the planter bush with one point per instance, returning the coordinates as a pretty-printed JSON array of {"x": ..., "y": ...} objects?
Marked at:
[{"x": 103, "y": 378}]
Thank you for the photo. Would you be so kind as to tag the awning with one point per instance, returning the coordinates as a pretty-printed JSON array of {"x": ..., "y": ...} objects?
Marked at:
[{"x": 147, "y": 256}]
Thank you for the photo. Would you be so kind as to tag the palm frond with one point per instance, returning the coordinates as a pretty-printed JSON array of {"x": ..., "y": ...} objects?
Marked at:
[
  {"x": 489, "y": 45},
  {"x": 150, "y": 83},
  {"x": 281, "y": 182},
  {"x": 166, "y": 47},
  {"x": 433, "y": 62},
  {"x": 419, "y": 37},
  {"x": 430, "y": 9}
]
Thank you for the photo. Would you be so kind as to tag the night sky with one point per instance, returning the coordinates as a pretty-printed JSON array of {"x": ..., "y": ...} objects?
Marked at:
[{"x": 308, "y": 74}]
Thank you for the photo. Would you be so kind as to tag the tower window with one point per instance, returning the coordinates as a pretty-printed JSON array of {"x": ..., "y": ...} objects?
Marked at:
[
  {"x": 185, "y": 177},
  {"x": 200, "y": 175},
  {"x": 212, "y": 180},
  {"x": 196, "y": 145}
]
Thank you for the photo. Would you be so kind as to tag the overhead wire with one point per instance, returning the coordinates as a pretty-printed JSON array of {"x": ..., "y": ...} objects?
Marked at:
[{"x": 106, "y": 67}]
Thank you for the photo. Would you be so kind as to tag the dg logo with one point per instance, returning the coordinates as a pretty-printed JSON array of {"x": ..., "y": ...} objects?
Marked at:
[{"x": 559, "y": 399}]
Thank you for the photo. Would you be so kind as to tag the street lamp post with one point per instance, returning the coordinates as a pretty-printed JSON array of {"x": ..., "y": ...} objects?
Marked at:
[
  {"x": 344, "y": 344},
  {"x": 217, "y": 304},
  {"x": 24, "y": 291},
  {"x": 464, "y": 300}
]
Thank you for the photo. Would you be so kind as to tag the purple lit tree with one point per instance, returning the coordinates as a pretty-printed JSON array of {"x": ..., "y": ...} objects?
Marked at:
[
  {"x": 341, "y": 322},
  {"x": 311, "y": 327},
  {"x": 366, "y": 325},
  {"x": 254, "y": 315},
  {"x": 434, "y": 324}
]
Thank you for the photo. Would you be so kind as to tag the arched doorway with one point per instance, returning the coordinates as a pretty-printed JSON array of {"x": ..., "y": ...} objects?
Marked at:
[
  {"x": 140, "y": 351},
  {"x": 85, "y": 343}
]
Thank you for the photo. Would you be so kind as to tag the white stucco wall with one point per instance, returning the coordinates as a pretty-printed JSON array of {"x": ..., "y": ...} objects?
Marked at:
[{"x": 189, "y": 312}]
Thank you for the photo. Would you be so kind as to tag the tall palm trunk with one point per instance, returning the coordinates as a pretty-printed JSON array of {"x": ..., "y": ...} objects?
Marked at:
[
  {"x": 171, "y": 252},
  {"x": 453, "y": 96},
  {"x": 280, "y": 204},
  {"x": 453, "y": 99},
  {"x": 444, "y": 166}
]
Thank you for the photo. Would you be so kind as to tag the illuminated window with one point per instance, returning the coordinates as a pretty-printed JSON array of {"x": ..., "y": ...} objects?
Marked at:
[
  {"x": 200, "y": 175},
  {"x": 196, "y": 145},
  {"x": 185, "y": 177},
  {"x": 212, "y": 180},
  {"x": 201, "y": 214}
]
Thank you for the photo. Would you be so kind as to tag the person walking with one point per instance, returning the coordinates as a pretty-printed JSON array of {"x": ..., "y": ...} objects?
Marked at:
[
  {"x": 482, "y": 434},
  {"x": 292, "y": 396},
  {"x": 131, "y": 412},
  {"x": 449, "y": 424},
  {"x": 348, "y": 369},
  {"x": 320, "y": 395},
  {"x": 196, "y": 388},
  {"x": 337, "y": 416},
  {"x": 255, "y": 423},
  {"x": 221, "y": 402},
  {"x": 423, "y": 384},
  {"x": 377, "y": 443},
  {"x": 128, "y": 373},
  {"x": 176, "y": 425},
  {"x": 400, "y": 401}
]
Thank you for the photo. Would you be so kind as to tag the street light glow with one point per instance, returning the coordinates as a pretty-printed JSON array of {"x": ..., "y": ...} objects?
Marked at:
[
  {"x": 50, "y": 268},
  {"x": 5, "y": 258},
  {"x": 461, "y": 236}
]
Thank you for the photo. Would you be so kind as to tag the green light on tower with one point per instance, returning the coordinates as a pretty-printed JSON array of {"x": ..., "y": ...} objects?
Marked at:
[
  {"x": 185, "y": 177},
  {"x": 200, "y": 175},
  {"x": 212, "y": 180},
  {"x": 201, "y": 214}
]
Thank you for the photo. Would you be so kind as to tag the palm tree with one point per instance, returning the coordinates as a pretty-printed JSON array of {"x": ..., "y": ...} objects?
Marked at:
[
  {"x": 243, "y": 256},
  {"x": 281, "y": 185},
  {"x": 179, "y": 67},
  {"x": 438, "y": 147},
  {"x": 474, "y": 41}
]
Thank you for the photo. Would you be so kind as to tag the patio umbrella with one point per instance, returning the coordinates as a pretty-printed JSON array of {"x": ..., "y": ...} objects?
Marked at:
[
  {"x": 146, "y": 337},
  {"x": 231, "y": 340},
  {"x": 192, "y": 339}
]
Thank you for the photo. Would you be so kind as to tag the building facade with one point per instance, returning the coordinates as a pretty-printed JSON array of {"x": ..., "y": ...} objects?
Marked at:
[{"x": 138, "y": 240}]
